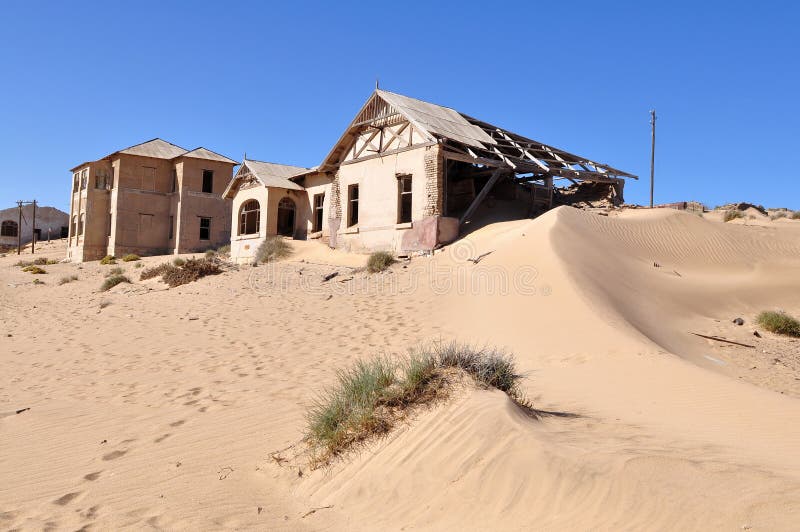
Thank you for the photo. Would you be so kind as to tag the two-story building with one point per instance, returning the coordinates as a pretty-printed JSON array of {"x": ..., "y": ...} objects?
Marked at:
[{"x": 150, "y": 199}]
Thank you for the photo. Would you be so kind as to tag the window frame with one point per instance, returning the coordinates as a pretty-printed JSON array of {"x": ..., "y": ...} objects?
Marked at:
[
  {"x": 352, "y": 199},
  {"x": 208, "y": 229},
  {"x": 317, "y": 212},
  {"x": 9, "y": 224},
  {"x": 210, "y": 174},
  {"x": 245, "y": 214},
  {"x": 403, "y": 195}
]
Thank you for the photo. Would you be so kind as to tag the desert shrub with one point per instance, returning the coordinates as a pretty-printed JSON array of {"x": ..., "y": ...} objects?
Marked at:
[
  {"x": 177, "y": 261},
  {"x": 273, "y": 248},
  {"x": 23, "y": 263},
  {"x": 113, "y": 281},
  {"x": 191, "y": 271},
  {"x": 379, "y": 261},
  {"x": 224, "y": 250},
  {"x": 138, "y": 265},
  {"x": 211, "y": 253},
  {"x": 38, "y": 281},
  {"x": 108, "y": 259},
  {"x": 732, "y": 214},
  {"x": 131, "y": 257},
  {"x": 779, "y": 214},
  {"x": 67, "y": 279},
  {"x": 35, "y": 270},
  {"x": 115, "y": 271},
  {"x": 779, "y": 323},
  {"x": 369, "y": 397},
  {"x": 795, "y": 215},
  {"x": 155, "y": 271},
  {"x": 42, "y": 261}
]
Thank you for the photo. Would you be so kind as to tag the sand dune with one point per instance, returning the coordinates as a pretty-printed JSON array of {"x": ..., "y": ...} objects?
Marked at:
[{"x": 162, "y": 407}]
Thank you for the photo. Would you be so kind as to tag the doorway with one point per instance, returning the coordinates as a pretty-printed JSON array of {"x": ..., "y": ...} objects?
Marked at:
[{"x": 286, "y": 212}]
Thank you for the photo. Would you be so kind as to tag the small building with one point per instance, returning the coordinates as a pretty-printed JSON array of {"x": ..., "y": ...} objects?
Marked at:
[
  {"x": 51, "y": 223},
  {"x": 406, "y": 175},
  {"x": 153, "y": 198}
]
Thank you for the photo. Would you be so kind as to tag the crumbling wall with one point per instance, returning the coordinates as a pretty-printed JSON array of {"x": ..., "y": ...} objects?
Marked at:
[{"x": 588, "y": 194}]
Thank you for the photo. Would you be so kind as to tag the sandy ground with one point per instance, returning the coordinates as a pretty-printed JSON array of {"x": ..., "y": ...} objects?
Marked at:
[{"x": 160, "y": 408}]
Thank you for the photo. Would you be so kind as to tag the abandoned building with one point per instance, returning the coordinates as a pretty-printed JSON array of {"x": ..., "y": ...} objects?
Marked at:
[
  {"x": 150, "y": 199},
  {"x": 406, "y": 175},
  {"x": 50, "y": 222}
]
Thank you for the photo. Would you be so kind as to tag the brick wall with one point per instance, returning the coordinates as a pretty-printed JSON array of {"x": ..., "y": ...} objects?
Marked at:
[{"x": 434, "y": 182}]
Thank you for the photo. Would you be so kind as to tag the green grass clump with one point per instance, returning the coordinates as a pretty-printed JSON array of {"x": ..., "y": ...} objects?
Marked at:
[
  {"x": 379, "y": 261},
  {"x": 369, "y": 397},
  {"x": 273, "y": 248},
  {"x": 779, "y": 323},
  {"x": 732, "y": 214},
  {"x": 113, "y": 281},
  {"x": 177, "y": 261},
  {"x": 131, "y": 257},
  {"x": 108, "y": 259},
  {"x": 67, "y": 279},
  {"x": 35, "y": 270}
]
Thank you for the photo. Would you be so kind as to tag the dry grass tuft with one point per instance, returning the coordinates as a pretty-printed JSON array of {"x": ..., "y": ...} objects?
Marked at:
[
  {"x": 779, "y": 323},
  {"x": 177, "y": 261},
  {"x": 67, "y": 279},
  {"x": 108, "y": 259},
  {"x": 35, "y": 270},
  {"x": 183, "y": 272},
  {"x": 380, "y": 261},
  {"x": 131, "y": 257},
  {"x": 156, "y": 271},
  {"x": 113, "y": 281},
  {"x": 795, "y": 215},
  {"x": 372, "y": 395},
  {"x": 224, "y": 250},
  {"x": 273, "y": 248},
  {"x": 115, "y": 271},
  {"x": 732, "y": 214}
]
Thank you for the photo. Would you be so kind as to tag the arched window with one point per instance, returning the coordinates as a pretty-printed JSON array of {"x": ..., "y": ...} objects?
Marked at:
[
  {"x": 9, "y": 228},
  {"x": 286, "y": 210},
  {"x": 250, "y": 218},
  {"x": 81, "y": 223}
]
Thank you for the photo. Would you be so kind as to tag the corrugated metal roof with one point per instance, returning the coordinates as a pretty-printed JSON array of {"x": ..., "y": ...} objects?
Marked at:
[
  {"x": 436, "y": 119},
  {"x": 276, "y": 175},
  {"x": 203, "y": 153},
  {"x": 157, "y": 148}
]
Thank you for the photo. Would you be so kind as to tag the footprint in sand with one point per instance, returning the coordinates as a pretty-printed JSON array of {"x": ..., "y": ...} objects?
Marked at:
[
  {"x": 92, "y": 476},
  {"x": 113, "y": 455},
  {"x": 66, "y": 499}
]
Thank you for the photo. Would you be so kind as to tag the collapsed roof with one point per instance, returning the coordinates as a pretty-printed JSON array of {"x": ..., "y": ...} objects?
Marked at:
[{"x": 471, "y": 140}]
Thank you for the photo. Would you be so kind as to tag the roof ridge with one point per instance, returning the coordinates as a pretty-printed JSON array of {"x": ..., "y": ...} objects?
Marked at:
[{"x": 276, "y": 164}]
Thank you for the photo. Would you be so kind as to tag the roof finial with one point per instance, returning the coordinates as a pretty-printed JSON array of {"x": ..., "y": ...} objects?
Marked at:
[
  {"x": 377, "y": 84},
  {"x": 245, "y": 156}
]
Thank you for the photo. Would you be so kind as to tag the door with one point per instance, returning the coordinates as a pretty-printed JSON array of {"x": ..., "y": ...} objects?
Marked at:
[{"x": 286, "y": 210}]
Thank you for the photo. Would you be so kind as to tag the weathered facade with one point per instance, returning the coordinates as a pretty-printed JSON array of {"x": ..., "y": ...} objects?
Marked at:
[
  {"x": 405, "y": 176},
  {"x": 50, "y": 223},
  {"x": 149, "y": 199}
]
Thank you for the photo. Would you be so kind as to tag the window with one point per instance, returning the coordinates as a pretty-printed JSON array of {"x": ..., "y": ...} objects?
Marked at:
[
  {"x": 101, "y": 180},
  {"x": 84, "y": 178},
  {"x": 81, "y": 223},
  {"x": 250, "y": 218},
  {"x": 208, "y": 181},
  {"x": 352, "y": 211},
  {"x": 9, "y": 228},
  {"x": 205, "y": 228},
  {"x": 76, "y": 179},
  {"x": 75, "y": 225},
  {"x": 108, "y": 224},
  {"x": 171, "y": 227},
  {"x": 404, "y": 199},
  {"x": 319, "y": 200},
  {"x": 148, "y": 178}
]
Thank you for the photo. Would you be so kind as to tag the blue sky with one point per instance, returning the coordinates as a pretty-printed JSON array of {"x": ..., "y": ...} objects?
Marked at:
[{"x": 280, "y": 82}]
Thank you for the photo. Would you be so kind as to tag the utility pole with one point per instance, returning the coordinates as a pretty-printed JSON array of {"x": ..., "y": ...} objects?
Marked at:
[
  {"x": 19, "y": 227},
  {"x": 33, "y": 229},
  {"x": 652, "y": 155}
]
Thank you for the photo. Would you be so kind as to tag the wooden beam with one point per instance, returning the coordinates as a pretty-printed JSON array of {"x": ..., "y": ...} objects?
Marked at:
[
  {"x": 482, "y": 194},
  {"x": 472, "y": 159}
]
